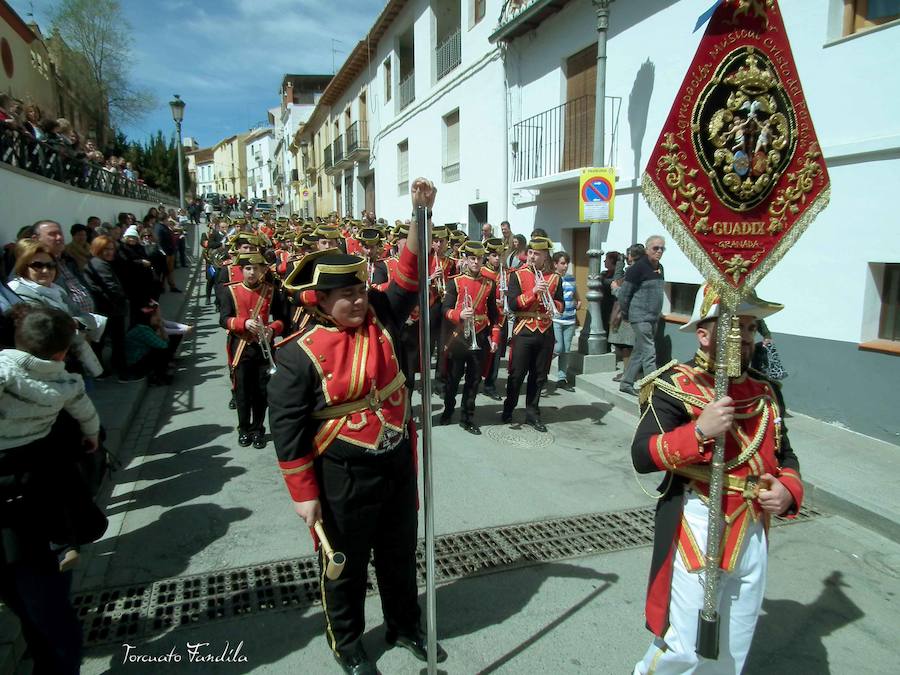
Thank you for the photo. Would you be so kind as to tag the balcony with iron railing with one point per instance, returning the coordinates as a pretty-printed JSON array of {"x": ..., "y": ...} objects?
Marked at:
[
  {"x": 559, "y": 141},
  {"x": 337, "y": 155},
  {"x": 358, "y": 141},
  {"x": 407, "y": 90},
  {"x": 448, "y": 54},
  {"x": 326, "y": 159}
]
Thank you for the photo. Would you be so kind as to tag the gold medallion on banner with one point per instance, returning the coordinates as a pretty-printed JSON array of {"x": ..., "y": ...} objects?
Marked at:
[{"x": 744, "y": 129}]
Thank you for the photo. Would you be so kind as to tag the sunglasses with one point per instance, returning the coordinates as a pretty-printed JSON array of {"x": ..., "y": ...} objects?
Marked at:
[
  {"x": 42, "y": 266},
  {"x": 657, "y": 248}
]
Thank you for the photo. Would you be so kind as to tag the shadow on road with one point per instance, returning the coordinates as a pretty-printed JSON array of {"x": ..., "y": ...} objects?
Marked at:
[{"x": 789, "y": 636}]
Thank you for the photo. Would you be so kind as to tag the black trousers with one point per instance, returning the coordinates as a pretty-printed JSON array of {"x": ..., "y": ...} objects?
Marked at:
[
  {"x": 369, "y": 505},
  {"x": 251, "y": 377},
  {"x": 531, "y": 355},
  {"x": 463, "y": 362},
  {"x": 38, "y": 594},
  {"x": 490, "y": 381}
]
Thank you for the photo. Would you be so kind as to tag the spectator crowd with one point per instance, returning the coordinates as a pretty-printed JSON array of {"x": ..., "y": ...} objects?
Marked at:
[{"x": 53, "y": 148}]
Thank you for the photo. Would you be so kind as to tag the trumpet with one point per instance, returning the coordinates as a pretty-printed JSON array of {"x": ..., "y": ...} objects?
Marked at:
[
  {"x": 266, "y": 348},
  {"x": 503, "y": 287},
  {"x": 469, "y": 324},
  {"x": 546, "y": 298},
  {"x": 437, "y": 278}
]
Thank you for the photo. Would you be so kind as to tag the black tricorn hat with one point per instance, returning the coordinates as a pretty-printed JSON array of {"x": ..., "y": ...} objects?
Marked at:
[{"x": 325, "y": 271}]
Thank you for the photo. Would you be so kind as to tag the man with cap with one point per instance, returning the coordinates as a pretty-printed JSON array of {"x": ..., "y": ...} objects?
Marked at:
[
  {"x": 680, "y": 421},
  {"x": 345, "y": 441},
  {"x": 440, "y": 269},
  {"x": 470, "y": 309},
  {"x": 327, "y": 238},
  {"x": 492, "y": 270},
  {"x": 252, "y": 312},
  {"x": 535, "y": 297}
]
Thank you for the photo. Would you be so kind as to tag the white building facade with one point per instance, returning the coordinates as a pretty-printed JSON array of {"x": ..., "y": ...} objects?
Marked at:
[
  {"x": 205, "y": 179},
  {"x": 260, "y": 151},
  {"x": 840, "y": 283},
  {"x": 421, "y": 95}
]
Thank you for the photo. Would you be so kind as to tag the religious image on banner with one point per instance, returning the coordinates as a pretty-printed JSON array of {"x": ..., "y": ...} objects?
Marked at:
[{"x": 737, "y": 173}]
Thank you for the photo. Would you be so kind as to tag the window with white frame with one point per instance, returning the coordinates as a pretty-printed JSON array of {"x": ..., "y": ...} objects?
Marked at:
[
  {"x": 861, "y": 15},
  {"x": 889, "y": 320},
  {"x": 451, "y": 147},
  {"x": 681, "y": 298},
  {"x": 403, "y": 167}
]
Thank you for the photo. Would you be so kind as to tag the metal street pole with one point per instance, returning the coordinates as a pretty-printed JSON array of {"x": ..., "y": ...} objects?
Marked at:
[
  {"x": 177, "y": 106},
  {"x": 597, "y": 343}
]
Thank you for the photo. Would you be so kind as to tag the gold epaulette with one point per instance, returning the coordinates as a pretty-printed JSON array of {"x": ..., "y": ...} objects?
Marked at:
[
  {"x": 757, "y": 375},
  {"x": 645, "y": 384}
]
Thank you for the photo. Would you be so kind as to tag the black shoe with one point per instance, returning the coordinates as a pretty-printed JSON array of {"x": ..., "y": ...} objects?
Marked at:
[
  {"x": 259, "y": 439},
  {"x": 231, "y": 404},
  {"x": 245, "y": 438},
  {"x": 471, "y": 428},
  {"x": 130, "y": 378},
  {"x": 417, "y": 644},
  {"x": 506, "y": 417},
  {"x": 175, "y": 290},
  {"x": 564, "y": 384},
  {"x": 627, "y": 389},
  {"x": 493, "y": 395},
  {"x": 445, "y": 419},
  {"x": 537, "y": 425},
  {"x": 357, "y": 662}
]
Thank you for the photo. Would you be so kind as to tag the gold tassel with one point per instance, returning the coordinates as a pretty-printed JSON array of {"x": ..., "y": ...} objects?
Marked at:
[{"x": 733, "y": 348}]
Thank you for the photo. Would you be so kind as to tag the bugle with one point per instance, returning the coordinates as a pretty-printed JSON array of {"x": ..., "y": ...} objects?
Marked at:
[{"x": 469, "y": 324}]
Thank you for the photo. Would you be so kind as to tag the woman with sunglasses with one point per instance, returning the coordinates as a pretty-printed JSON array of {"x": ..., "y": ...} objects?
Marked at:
[{"x": 35, "y": 274}]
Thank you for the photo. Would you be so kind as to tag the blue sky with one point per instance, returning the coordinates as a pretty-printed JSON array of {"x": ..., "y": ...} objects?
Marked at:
[{"x": 227, "y": 57}]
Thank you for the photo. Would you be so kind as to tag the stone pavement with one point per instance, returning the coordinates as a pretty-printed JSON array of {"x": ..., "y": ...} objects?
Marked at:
[{"x": 190, "y": 501}]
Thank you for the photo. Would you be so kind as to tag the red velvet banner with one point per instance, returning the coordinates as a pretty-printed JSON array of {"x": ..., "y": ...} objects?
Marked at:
[{"x": 737, "y": 173}]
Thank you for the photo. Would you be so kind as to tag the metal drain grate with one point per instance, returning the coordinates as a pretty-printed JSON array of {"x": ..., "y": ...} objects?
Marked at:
[
  {"x": 519, "y": 437},
  {"x": 142, "y": 610}
]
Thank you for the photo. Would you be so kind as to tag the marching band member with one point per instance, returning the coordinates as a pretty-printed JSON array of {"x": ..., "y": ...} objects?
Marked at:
[
  {"x": 340, "y": 420},
  {"x": 493, "y": 271},
  {"x": 251, "y": 311},
  {"x": 535, "y": 298},
  {"x": 762, "y": 479},
  {"x": 470, "y": 308}
]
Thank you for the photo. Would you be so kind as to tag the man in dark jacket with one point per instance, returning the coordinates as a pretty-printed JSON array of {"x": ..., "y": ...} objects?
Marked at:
[
  {"x": 166, "y": 242},
  {"x": 641, "y": 299}
]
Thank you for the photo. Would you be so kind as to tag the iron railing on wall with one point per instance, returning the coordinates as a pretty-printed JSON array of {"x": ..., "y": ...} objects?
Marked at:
[
  {"x": 407, "y": 90},
  {"x": 59, "y": 163},
  {"x": 357, "y": 137},
  {"x": 562, "y": 138},
  {"x": 448, "y": 54},
  {"x": 338, "y": 146},
  {"x": 326, "y": 159}
]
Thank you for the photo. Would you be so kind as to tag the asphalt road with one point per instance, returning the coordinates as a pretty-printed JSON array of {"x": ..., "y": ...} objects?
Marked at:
[{"x": 191, "y": 502}]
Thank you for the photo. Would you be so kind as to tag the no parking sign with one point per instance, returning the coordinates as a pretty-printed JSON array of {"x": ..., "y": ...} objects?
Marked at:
[{"x": 596, "y": 195}]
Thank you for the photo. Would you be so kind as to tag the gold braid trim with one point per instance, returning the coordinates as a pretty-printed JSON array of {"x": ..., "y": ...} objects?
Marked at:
[
  {"x": 645, "y": 384},
  {"x": 672, "y": 221}
]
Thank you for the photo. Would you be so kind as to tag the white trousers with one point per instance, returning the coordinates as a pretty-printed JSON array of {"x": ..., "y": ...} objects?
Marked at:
[{"x": 740, "y": 599}]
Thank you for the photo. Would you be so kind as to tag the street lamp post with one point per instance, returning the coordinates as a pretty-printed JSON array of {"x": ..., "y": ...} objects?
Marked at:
[
  {"x": 177, "y": 106},
  {"x": 597, "y": 340}
]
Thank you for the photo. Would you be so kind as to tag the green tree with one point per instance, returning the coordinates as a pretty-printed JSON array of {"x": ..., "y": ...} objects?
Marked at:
[{"x": 98, "y": 34}]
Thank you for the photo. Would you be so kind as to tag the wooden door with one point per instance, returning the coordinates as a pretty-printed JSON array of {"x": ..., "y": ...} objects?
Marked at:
[
  {"x": 578, "y": 115},
  {"x": 580, "y": 245}
]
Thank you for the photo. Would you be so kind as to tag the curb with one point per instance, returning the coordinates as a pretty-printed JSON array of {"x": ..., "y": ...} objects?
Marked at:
[{"x": 827, "y": 499}]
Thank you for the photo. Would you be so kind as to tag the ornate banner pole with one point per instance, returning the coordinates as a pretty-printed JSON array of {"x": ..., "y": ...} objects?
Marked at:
[{"x": 736, "y": 177}]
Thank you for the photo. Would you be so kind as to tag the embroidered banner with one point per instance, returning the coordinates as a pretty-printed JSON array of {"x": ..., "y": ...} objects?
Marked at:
[{"x": 737, "y": 174}]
